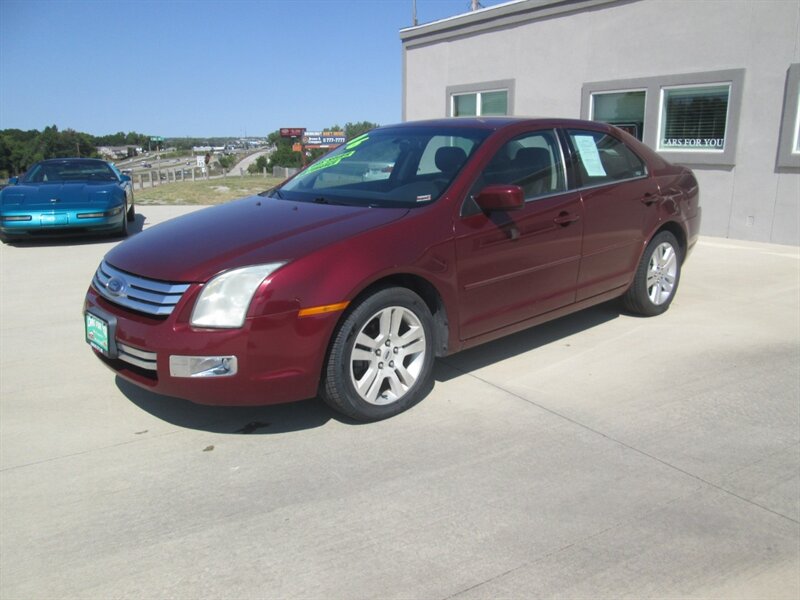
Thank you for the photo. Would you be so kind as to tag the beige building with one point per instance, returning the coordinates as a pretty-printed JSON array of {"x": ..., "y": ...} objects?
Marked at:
[{"x": 713, "y": 84}]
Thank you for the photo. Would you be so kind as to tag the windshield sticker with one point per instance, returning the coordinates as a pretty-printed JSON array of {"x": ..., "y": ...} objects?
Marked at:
[
  {"x": 589, "y": 155},
  {"x": 356, "y": 141},
  {"x": 326, "y": 163},
  {"x": 424, "y": 198}
]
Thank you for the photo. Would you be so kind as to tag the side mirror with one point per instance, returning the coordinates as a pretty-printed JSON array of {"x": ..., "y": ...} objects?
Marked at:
[
  {"x": 13, "y": 180},
  {"x": 500, "y": 197},
  {"x": 124, "y": 177}
]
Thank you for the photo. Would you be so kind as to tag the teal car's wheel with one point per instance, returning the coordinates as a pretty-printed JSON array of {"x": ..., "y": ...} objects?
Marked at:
[
  {"x": 131, "y": 214},
  {"x": 123, "y": 227}
]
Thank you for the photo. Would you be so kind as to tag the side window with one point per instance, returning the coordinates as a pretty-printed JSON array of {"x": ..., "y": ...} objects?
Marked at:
[
  {"x": 604, "y": 159},
  {"x": 531, "y": 161}
]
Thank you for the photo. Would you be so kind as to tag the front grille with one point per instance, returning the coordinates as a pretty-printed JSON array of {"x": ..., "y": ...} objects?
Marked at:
[
  {"x": 139, "y": 358},
  {"x": 137, "y": 293}
]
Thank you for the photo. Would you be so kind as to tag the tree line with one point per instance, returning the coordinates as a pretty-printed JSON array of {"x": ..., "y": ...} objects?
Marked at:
[{"x": 20, "y": 149}]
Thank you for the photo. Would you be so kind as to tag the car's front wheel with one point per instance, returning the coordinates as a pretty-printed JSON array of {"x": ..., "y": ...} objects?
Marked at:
[
  {"x": 122, "y": 231},
  {"x": 380, "y": 362},
  {"x": 657, "y": 276}
]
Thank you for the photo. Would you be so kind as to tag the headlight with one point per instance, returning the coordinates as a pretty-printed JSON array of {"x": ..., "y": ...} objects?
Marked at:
[{"x": 225, "y": 299}]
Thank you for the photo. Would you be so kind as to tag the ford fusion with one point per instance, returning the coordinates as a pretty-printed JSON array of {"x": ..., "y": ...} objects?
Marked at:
[
  {"x": 67, "y": 196},
  {"x": 406, "y": 243}
]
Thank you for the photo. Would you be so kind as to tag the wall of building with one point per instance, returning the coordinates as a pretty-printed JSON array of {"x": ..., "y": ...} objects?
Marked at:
[{"x": 551, "y": 59}]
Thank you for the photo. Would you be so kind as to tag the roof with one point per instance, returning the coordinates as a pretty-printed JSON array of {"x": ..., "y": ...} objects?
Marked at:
[{"x": 502, "y": 15}]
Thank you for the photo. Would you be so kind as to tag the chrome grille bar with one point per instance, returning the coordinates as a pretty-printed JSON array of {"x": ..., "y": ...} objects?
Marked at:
[
  {"x": 137, "y": 293},
  {"x": 135, "y": 356}
]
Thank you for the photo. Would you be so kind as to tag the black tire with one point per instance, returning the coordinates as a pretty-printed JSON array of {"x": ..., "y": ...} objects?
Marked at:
[
  {"x": 657, "y": 277},
  {"x": 122, "y": 232},
  {"x": 395, "y": 371},
  {"x": 131, "y": 214}
]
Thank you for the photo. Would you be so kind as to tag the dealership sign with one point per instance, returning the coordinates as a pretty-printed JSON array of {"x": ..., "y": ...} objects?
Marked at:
[
  {"x": 704, "y": 143},
  {"x": 323, "y": 139}
]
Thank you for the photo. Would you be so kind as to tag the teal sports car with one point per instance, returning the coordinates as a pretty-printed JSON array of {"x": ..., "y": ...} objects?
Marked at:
[{"x": 67, "y": 196}]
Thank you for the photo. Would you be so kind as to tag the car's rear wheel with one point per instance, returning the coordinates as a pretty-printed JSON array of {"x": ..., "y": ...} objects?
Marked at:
[
  {"x": 657, "y": 277},
  {"x": 380, "y": 362}
]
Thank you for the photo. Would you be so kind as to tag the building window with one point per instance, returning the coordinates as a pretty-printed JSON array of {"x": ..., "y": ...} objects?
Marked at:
[
  {"x": 694, "y": 118},
  {"x": 489, "y": 103},
  {"x": 789, "y": 142},
  {"x": 796, "y": 146},
  {"x": 486, "y": 98},
  {"x": 621, "y": 109}
]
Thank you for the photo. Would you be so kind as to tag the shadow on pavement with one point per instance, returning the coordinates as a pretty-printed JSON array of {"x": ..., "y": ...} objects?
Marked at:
[
  {"x": 308, "y": 414},
  {"x": 278, "y": 418},
  {"x": 525, "y": 341}
]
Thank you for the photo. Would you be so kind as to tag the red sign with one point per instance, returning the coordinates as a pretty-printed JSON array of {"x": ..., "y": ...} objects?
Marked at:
[{"x": 292, "y": 131}]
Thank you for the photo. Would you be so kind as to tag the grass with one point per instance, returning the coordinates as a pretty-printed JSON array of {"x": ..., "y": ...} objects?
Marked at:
[{"x": 211, "y": 191}]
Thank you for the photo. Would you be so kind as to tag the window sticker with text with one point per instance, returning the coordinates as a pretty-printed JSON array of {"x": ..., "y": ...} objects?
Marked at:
[{"x": 587, "y": 148}]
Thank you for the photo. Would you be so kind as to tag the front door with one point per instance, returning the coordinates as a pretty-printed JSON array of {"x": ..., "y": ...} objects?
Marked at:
[{"x": 518, "y": 264}]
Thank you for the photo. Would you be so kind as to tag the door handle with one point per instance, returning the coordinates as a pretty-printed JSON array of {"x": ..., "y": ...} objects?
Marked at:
[
  {"x": 649, "y": 199},
  {"x": 565, "y": 219}
]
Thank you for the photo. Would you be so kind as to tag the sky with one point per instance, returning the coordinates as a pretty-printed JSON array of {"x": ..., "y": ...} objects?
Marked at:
[{"x": 205, "y": 68}]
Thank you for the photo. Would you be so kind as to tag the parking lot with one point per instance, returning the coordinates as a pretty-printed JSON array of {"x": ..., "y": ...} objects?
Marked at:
[{"x": 598, "y": 456}]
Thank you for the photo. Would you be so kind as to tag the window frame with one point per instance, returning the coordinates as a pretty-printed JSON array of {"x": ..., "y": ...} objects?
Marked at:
[
  {"x": 653, "y": 87},
  {"x": 662, "y": 118},
  {"x": 503, "y": 85},
  {"x": 788, "y": 142}
]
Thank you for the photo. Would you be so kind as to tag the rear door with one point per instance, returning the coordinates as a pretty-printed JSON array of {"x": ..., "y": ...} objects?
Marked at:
[
  {"x": 619, "y": 198},
  {"x": 518, "y": 264}
]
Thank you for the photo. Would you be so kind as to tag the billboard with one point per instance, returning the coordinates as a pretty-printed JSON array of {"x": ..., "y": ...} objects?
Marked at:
[
  {"x": 323, "y": 139},
  {"x": 292, "y": 131}
]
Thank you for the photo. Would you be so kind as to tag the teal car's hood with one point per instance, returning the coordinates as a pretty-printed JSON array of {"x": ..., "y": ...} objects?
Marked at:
[{"x": 61, "y": 195}]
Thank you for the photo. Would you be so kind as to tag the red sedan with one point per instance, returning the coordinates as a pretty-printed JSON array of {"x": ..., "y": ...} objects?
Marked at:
[{"x": 409, "y": 242}]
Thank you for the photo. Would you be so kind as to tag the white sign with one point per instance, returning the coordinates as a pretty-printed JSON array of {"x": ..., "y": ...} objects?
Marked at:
[{"x": 589, "y": 155}]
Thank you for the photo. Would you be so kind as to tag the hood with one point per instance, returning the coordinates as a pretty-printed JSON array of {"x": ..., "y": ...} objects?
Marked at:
[
  {"x": 250, "y": 231},
  {"x": 60, "y": 195}
]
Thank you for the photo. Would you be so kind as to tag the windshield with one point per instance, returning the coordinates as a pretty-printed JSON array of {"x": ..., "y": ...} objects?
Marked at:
[
  {"x": 404, "y": 166},
  {"x": 69, "y": 170}
]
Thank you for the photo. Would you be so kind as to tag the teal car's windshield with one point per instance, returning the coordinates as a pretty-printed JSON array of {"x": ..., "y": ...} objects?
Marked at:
[
  {"x": 69, "y": 170},
  {"x": 406, "y": 166}
]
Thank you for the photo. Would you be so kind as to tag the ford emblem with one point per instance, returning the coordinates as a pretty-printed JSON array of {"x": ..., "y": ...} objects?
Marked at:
[{"x": 116, "y": 286}]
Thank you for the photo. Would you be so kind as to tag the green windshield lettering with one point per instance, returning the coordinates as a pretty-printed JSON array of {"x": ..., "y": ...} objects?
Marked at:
[
  {"x": 326, "y": 163},
  {"x": 356, "y": 141}
]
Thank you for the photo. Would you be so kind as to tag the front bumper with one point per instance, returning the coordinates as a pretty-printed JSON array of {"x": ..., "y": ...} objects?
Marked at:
[
  {"x": 278, "y": 357},
  {"x": 21, "y": 223}
]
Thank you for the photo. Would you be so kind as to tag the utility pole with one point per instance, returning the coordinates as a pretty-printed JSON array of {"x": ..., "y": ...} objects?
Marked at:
[
  {"x": 413, "y": 13},
  {"x": 476, "y": 5}
]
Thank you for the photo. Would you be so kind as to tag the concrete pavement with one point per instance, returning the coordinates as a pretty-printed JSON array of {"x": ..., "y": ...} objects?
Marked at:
[{"x": 601, "y": 455}]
